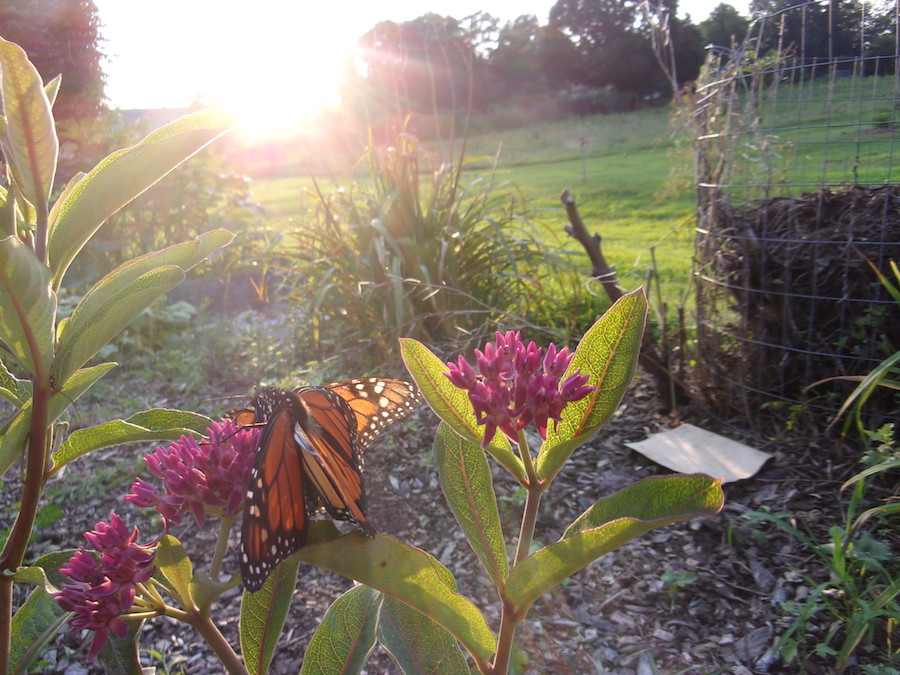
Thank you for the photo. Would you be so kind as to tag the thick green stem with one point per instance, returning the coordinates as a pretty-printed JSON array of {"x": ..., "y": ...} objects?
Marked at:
[
  {"x": 512, "y": 615},
  {"x": 204, "y": 625},
  {"x": 215, "y": 567},
  {"x": 14, "y": 551}
]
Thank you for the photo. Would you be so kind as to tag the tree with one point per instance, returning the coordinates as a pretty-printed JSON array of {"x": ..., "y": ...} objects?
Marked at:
[
  {"x": 812, "y": 30},
  {"x": 724, "y": 25},
  {"x": 515, "y": 62},
  {"x": 593, "y": 23},
  {"x": 62, "y": 37}
]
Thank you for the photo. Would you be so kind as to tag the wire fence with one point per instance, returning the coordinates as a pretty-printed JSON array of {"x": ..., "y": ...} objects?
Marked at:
[{"x": 797, "y": 194}]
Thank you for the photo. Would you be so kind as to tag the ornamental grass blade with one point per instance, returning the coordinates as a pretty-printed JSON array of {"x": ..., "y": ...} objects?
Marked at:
[
  {"x": 611, "y": 522},
  {"x": 158, "y": 424},
  {"x": 121, "y": 177},
  {"x": 417, "y": 643},
  {"x": 452, "y": 404},
  {"x": 465, "y": 478},
  {"x": 608, "y": 353},
  {"x": 27, "y": 308},
  {"x": 410, "y": 575},
  {"x": 347, "y": 635},
  {"x": 30, "y": 143}
]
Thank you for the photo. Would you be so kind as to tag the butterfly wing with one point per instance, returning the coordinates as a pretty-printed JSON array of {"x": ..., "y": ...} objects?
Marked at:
[
  {"x": 330, "y": 454},
  {"x": 275, "y": 521},
  {"x": 376, "y": 403}
]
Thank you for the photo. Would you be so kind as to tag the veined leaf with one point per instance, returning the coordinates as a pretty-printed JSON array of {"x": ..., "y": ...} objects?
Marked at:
[
  {"x": 114, "y": 301},
  {"x": 465, "y": 478},
  {"x": 417, "y": 643},
  {"x": 611, "y": 522},
  {"x": 452, "y": 404},
  {"x": 159, "y": 424},
  {"x": 121, "y": 177},
  {"x": 345, "y": 638},
  {"x": 14, "y": 390},
  {"x": 15, "y": 433},
  {"x": 408, "y": 574},
  {"x": 608, "y": 353},
  {"x": 86, "y": 332},
  {"x": 27, "y": 307},
  {"x": 173, "y": 563},
  {"x": 263, "y": 614},
  {"x": 30, "y": 143}
]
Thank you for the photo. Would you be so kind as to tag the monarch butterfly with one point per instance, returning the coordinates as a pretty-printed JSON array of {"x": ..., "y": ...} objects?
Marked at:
[{"x": 309, "y": 459}]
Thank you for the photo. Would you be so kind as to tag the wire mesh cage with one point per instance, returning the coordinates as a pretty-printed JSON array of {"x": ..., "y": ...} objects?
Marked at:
[{"x": 798, "y": 197}]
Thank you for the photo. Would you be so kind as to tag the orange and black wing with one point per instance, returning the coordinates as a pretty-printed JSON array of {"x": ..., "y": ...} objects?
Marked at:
[
  {"x": 376, "y": 403},
  {"x": 275, "y": 518}
]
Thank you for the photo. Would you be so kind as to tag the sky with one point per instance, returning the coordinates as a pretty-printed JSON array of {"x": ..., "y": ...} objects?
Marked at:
[{"x": 267, "y": 59}]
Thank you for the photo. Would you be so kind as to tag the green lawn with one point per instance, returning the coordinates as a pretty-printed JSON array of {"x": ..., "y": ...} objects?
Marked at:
[{"x": 635, "y": 190}]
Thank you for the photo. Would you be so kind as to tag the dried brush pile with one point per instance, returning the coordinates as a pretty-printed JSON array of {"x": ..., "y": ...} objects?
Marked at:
[{"x": 788, "y": 296}]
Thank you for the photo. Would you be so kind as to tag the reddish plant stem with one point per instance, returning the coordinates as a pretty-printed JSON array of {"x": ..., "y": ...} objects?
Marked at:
[{"x": 14, "y": 552}]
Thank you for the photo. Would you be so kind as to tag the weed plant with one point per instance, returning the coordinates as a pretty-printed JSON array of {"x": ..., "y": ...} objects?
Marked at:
[{"x": 424, "y": 254}]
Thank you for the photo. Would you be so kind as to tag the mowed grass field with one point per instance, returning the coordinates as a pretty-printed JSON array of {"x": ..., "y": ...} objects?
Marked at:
[{"x": 633, "y": 187}]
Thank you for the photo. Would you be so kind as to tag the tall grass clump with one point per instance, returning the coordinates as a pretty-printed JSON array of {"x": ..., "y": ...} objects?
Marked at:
[{"x": 425, "y": 251}]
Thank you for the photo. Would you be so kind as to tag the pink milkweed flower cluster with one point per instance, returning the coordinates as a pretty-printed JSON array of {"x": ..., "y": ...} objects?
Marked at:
[
  {"x": 513, "y": 385},
  {"x": 104, "y": 585},
  {"x": 197, "y": 476}
]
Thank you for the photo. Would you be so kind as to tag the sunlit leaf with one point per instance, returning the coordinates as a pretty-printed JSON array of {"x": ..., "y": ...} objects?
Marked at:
[
  {"x": 14, "y": 390},
  {"x": 27, "y": 307},
  {"x": 452, "y": 404},
  {"x": 15, "y": 433},
  {"x": 159, "y": 424},
  {"x": 465, "y": 478},
  {"x": 611, "y": 522},
  {"x": 408, "y": 574},
  {"x": 345, "y": 638},
  {"x": 121, "y": 177},
  {"x": 608, "y": 353},
  {"x": 173, "y": 563},
  {"x": 418, "y": 644},
  {"x": 30, "y": 143}
]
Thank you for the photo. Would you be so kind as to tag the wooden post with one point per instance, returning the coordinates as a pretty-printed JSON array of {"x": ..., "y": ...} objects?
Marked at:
[{"x": 672, "y": 390}]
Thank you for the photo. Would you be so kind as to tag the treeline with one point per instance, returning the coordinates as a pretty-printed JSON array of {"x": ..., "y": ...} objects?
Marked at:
[{"x": 591, "y": 56}]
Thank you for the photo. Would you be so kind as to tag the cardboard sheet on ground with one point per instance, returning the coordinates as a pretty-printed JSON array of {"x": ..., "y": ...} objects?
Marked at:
[{"x": 690, "y": 449}]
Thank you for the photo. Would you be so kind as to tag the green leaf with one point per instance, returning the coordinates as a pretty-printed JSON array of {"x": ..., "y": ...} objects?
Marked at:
[
  {"x": 122, "y": 656},
  {"x": 121, "y": 177},
  {"x": 27, "y": 307},
  {"x": 608, "y": 353},
  {"x": 452, "y": 404},
  {"x": 263, "y": 614},
  {"x": 121, "y": 295},
  {"x": 34, "y": 626},
  {"x": 408, "y": 574},
  {"x": 14, "y": 390},
  {"x": 86, "y": 333},
  {"x": 30, "y": 143},
  {"x": 417, "y": 643},
  {"x": 158, "y": 424},
  {"x": 15, "y": 433},
  {"x": 611, "y": 522},
  {"x": 173, "y": 563},
  {"x": 345, "y": 638},
  {"x": 465, "y": 478}
]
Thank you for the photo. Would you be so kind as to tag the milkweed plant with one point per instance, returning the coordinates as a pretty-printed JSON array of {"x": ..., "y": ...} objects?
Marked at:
[{"x": 406, "y": 599}]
